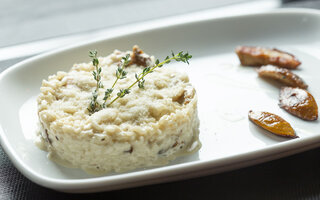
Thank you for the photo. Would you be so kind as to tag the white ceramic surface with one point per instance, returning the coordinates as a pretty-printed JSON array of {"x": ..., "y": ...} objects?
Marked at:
[{"x": 226, "y": 93}]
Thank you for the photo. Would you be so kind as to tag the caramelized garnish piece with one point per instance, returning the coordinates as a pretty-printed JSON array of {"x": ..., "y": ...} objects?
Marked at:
[
  {"x": 138, "y": 57},
  {"x": 258, "y": 56},
  {"x": 283, "y": 75},
  {"x": 299, "y": 102},
  {"x": 272, "y": 123}
]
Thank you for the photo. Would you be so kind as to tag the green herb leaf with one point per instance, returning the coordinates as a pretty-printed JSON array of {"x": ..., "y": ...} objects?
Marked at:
[
  {"x": 141, "y": 83},
  {"x": 94, "y": 105},
  {"x": 123, "y": 92}
]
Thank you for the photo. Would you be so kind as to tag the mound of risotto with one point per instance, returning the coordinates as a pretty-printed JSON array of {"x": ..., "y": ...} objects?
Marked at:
[{"x": 148, "y": 127}]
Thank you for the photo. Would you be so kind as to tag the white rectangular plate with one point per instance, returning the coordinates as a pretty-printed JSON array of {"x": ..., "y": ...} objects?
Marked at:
[{"x": 226, "y": 92}]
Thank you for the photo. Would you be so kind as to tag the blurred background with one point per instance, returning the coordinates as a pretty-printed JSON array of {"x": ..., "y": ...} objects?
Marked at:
[
  {"x": 31, "y": 20},
  {"x": 26, "y": 21},
  {"x": 29, "y": 27}
]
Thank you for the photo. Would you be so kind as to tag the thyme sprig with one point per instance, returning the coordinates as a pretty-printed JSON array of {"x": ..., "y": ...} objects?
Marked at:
[
  {"x": 120, "y": 74},
  {"x": 94, "y": 105},
  {"x": 180, "y": 57}
]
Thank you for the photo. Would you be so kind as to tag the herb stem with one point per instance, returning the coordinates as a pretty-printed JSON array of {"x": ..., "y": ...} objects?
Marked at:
[
  {"x": 113, "y": 101},
  {"x": 97, "y": 86},
  {"x": 109, "y": 91},
  {"x": 143, "y": 75},
  {"x": 151, "y": 70},
  {"x": 120, "y": 74},
  {"x": 115, "y": 83}
]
